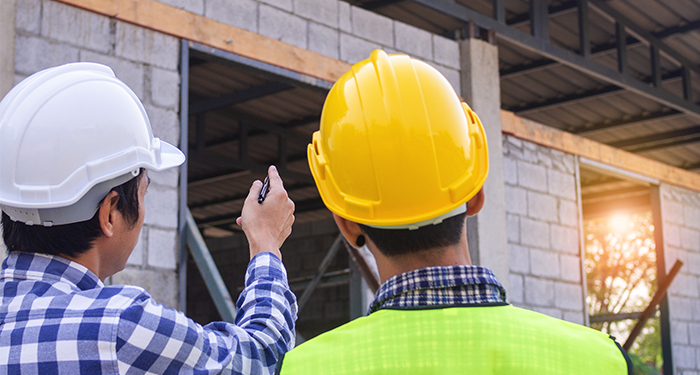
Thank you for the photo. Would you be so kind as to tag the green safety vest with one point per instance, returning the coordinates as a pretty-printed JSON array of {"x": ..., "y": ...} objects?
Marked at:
[{"x": 483, "y": 339}]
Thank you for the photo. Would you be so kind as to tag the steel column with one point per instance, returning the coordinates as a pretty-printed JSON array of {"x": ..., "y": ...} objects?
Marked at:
[{"x": 182, "y": 214}]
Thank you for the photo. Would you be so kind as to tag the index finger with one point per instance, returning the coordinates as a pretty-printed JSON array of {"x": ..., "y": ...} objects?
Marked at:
[{"x": 275, "y": 179}]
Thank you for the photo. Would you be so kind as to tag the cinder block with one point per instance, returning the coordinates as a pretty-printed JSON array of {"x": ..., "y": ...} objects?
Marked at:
[
  {"x": 561, "y": 184},
  {"x": 554, "y": 313},
  {"x": 324, "y": 40},
  {"x": 127, "y": 71},
  {"x": 165, "y": 123},
  {"x": 321, "y": 11},
  {"x": 512, "y": 140},
  {"x": 694, "y": 333},
  {"x": 693, "y": 263},
  {"x": 690, "y": 239},
  {"x": 570, "y": 268},
  {"x": 136, "y": 256},
  {"x": 169, "y": 177},
  {"x": 539, "y": 292},
  {"x": 510, "y": 171},
  {"x": 574, "y": 317},
  {"x": 282, "y": 4},
  {"x": 532, "y": 176},
  {"x": 372, "y": 26},
  {"x": 165, "y": 88},
  {"x": 354, "y": 49},
  {"x": 692, "y": 216},
  {"x": 161, "y": 284},
  {"x": 162, "y": 207},
  {"x": 33, "y": 54},
  {"x": 568, "y": 296},
  {"x": 565, "y": 239},
  {"x": 568, "y": 213},
  {"x": 515, "y": 292},
  {"x": 193, "y": 6},
  {"x": 542, "y": 207},
  {"x": 672, "y": 235},
  {"x": 453, "y": 76},
  {"x": 672, "y": 212},
  {"x": 446, "y": 52},
  {"x": 544, "y": 158},
  {"x": 544, "y": 263},
  {"x": 283, "y": 26},
  {"x": 682, "y": 308},
  {"x": 413, "y": 41},
  {"x": 516, "y": 200},
  {"x": 344, "y": 17},
  {"x": 679, "y": 332},
  {"x": 686, "y": 285},
  {"x": 684, "y": 357},
  {"x": 76, "y": 26},
  {"x": 143, "y": 45},
  {"x": 513, "y": 228},
  {"x": 534, "y": 233},
  {"x": 519, "y": 259},
  {"x": 29, "y": 16},
  {"x": 161, "y": 248},
  {"x": 239, "y": 13}
]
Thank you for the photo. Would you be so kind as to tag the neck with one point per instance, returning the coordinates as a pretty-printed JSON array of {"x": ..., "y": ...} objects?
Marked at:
[{"x": 453, "y": 255}]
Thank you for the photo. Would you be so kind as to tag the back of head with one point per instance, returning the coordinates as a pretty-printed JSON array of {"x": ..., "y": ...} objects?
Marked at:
[
  {"x": 396, "y": 149},
  {"x": 68, "y": 136}
]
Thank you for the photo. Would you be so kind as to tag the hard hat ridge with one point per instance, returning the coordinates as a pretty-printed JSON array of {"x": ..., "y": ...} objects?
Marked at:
[
  {"x": 396, "y": 148},
  {"x": 71, "y": 132}
]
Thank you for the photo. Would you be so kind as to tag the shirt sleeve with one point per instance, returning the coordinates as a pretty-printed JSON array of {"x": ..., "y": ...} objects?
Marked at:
[{"x": 155, "y": 339}]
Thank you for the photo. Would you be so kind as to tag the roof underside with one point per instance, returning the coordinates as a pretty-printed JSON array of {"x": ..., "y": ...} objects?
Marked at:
[{"x": 634, "y": 87}]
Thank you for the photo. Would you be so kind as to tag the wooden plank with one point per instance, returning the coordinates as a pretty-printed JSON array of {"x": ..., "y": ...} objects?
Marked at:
[
  {"x": 573, "y": 144},
  {"x": 183, "y": 24}
]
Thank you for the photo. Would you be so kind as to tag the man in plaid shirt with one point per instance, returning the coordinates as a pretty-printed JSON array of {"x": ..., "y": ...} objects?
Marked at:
[{"x": 75, "y": 145}]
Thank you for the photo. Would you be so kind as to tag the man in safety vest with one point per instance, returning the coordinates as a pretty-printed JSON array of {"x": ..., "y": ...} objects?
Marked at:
[
  {"x": 75, "y": 144},
  {"x": 401, "y": 162}
]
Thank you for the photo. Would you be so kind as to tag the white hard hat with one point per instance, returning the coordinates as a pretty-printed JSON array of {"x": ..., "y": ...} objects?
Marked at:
[{"x": 67, "y": 136}]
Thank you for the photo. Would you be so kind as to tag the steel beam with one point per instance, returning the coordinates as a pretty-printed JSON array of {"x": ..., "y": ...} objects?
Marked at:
[
  {"x": 553, "y": 11},
  {"x": 690, "y": 26},
  {"x": 625, "y": 121},
  {"x": 378, "y": 4},
  {"x": 241, "y": 96},
  {"x": 539, "y": 20},
  {"x": 599, "y": 50},
  {"x": 657, "y": 141},
  {"x": 584, "y": 34},
  {"x": 621, "y": 46},
  {"x": 232, "y": 165},
  {"x": 312, "y": 204},
  {"x": 566, "y": 100}
]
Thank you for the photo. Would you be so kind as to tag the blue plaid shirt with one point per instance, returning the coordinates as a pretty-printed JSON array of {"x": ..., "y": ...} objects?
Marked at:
[
  {"x": 439, "y": 286},
  {"x": 57, "y": 317}
]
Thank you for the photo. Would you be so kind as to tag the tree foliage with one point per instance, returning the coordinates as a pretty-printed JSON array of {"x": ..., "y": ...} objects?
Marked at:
[{"x": 620, "y": 268}]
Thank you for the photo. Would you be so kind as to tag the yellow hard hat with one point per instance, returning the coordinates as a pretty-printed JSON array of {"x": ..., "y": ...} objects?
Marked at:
[{"x": 396, "y": 147}]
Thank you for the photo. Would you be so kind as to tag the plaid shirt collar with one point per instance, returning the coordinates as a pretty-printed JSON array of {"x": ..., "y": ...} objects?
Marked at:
[
  {"x": 435, "y": 286},
  {"x": 51, "y": 268}
]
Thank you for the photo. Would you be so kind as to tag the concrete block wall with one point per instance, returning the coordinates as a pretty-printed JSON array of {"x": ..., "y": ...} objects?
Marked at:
[
  {"x": 49, "y": 33},
  {"x": 302, "y": 254},
  {"x": 681, "y": 229},
  {"x": 543, "y": 236},
  {"x": 333, "y": 28}
]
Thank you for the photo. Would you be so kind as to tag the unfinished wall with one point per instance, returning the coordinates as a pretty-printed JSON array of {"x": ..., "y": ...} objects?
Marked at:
[
  {"x": 50, "y": 33},
  {"x": 681, "y": 230},
  {"x": 302, "y": 253},
  {"x": 543, "y": 235},
  {"x": 332, "y": 28}
]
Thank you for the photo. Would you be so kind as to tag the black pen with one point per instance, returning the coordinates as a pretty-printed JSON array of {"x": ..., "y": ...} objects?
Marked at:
[{"x": 264, "y": 190}]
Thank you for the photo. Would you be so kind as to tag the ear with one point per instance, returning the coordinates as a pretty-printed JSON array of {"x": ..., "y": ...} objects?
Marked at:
[
  {"x": 476, "y": 203},
  {"x": 350, "y": 229},
  {"x": 108, "y": 213}
]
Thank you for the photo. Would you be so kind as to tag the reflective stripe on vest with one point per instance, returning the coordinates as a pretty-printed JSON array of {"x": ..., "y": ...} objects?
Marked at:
[{"x": 458, "y": 340}]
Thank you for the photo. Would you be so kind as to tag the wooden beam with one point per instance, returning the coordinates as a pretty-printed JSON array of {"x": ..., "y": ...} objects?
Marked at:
[
  {"x": 537, "y": 133},
  {"x": 183, "y": 24}
]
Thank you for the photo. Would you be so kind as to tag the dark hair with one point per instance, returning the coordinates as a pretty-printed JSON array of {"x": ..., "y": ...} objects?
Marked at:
[
  {"x": 392, "y": 242},
  {"x": 69, "y": 239}
]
